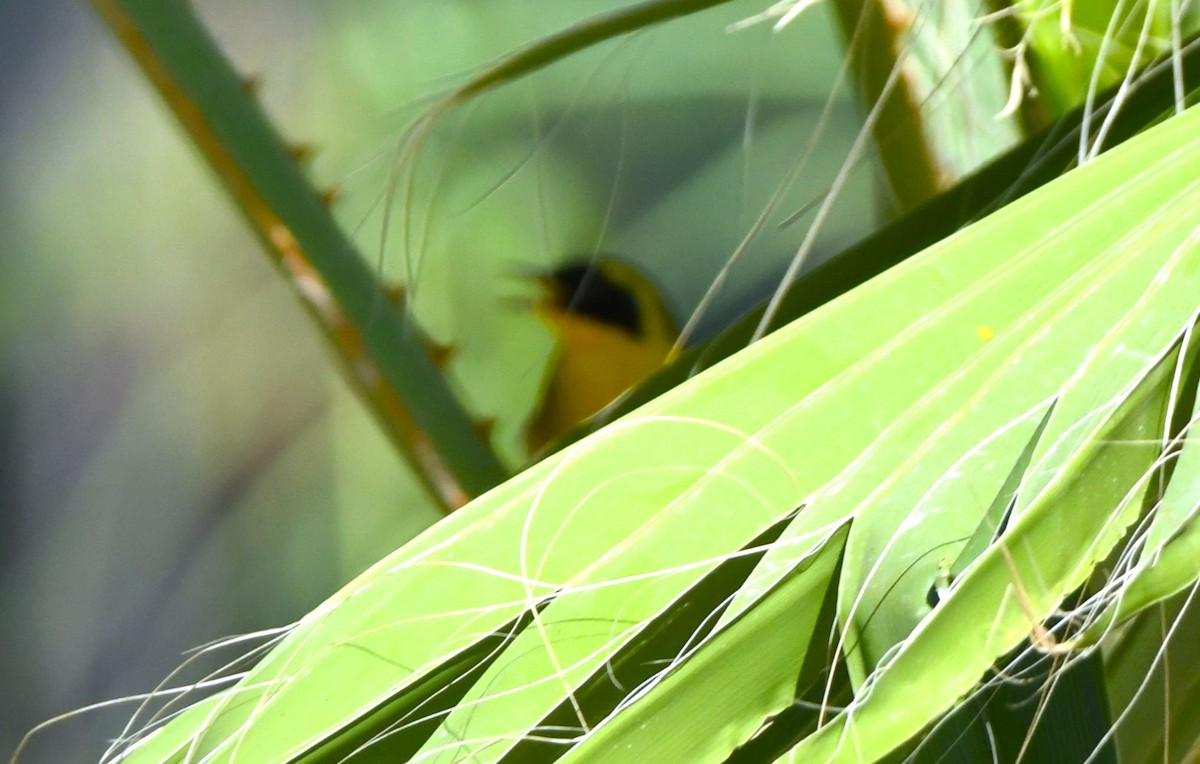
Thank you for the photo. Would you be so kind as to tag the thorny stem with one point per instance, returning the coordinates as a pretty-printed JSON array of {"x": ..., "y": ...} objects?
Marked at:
[{"x": 380, "y": 347}]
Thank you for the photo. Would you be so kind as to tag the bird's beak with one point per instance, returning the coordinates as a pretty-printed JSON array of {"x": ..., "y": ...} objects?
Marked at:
[{"x": 546, "y": 291}]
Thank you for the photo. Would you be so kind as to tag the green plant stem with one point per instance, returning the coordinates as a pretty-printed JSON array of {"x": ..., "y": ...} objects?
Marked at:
[
  {"x": 382, "y": 349},
  {"x": 876, "y": 33},
  {"x": 575, "y": 38}
]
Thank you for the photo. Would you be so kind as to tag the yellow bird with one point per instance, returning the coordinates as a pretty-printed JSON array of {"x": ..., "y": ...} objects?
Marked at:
[{"x": 613, "y": 329}]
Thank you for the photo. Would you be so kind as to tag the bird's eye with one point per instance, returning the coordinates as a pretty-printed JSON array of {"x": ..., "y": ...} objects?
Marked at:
[{"x": 588, "y": 291}]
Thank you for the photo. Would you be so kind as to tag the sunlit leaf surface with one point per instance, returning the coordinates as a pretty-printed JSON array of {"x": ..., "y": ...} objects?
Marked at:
[{"x": 1045, "y": 348}]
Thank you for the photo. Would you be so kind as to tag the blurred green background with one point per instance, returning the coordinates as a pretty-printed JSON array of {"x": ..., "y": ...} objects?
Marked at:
[
  {"x": 178, "y": 458},
  {"x": 178, "y": 455}
]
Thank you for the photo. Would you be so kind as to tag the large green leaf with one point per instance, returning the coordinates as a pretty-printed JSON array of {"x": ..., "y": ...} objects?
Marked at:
[{"x": 863, "y": 412}]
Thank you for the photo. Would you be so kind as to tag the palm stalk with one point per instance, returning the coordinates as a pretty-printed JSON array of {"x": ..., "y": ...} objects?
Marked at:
[{"x": 380, "y": 347}]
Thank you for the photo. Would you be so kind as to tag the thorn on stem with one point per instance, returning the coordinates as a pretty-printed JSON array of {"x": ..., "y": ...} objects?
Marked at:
[
  {"x": 330, "y": 196},
  {"x": 252, "y": 84},
  {"x": 485, "y": 427},
  {"x": 301, "y": 153},
  {"x": 441, "y": 354}
]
